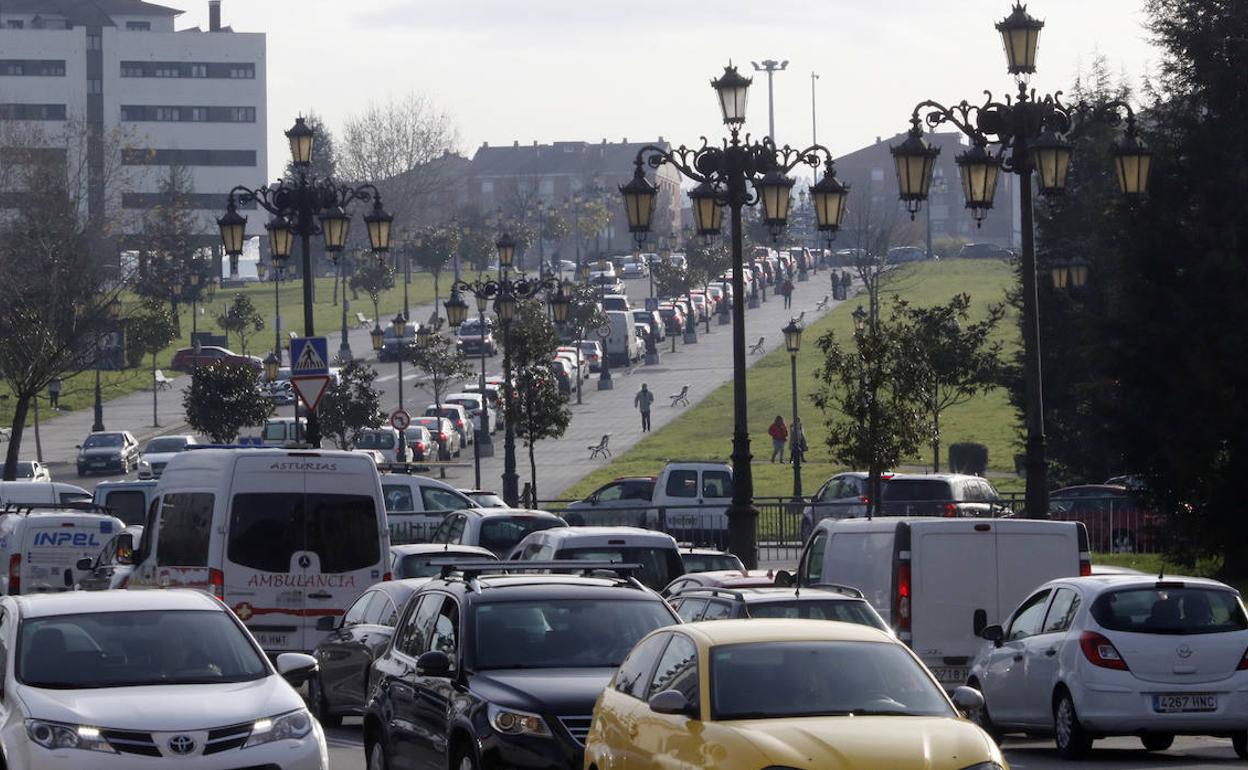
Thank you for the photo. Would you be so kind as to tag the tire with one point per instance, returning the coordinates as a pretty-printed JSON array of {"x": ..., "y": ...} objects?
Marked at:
[
  {"x": 1157, "y": 741},
  {"x": 319, "y": 705},
  {"x": 1239, "y": 741},
  {"x": 1072, "y": 741},
  {"x": 375, "y": 755},
  {"x": 982, "y": 718}
]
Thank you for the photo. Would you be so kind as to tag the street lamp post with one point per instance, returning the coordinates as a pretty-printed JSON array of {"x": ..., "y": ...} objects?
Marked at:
[
  {"x": 456, "y": 312},
  {"x": 1028, "y": 133},
  {"x": 604, "y": 370},
  {"x": 506, "y": 293},
  {"x": 731, "y": 169},
  {"x": 399, "y": 325},
  {"x": 793, "y": 343},
  {"x": 305, "y": 206}
]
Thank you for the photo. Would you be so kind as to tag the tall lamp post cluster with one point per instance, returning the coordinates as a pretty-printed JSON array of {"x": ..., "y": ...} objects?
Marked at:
[
  {"x": 506, "y": 293},
  {"x": 1024, "y": 136},
  {"x": 304, "y": 206},
  {"x": 737, "y": 173}
]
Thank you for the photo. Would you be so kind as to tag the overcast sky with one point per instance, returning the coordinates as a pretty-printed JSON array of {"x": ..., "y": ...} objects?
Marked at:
[{"x": 550, "y": 70}]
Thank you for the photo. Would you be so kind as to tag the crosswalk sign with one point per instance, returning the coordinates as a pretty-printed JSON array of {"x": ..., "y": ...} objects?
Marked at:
[{"x": 309, "y": 356}]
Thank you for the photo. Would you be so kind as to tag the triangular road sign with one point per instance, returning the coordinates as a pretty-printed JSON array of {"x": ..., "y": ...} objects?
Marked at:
[{"x": 310, "y": 389}]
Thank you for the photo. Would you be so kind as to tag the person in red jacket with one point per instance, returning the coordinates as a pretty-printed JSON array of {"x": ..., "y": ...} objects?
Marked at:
[{"x": 779, "y": 434}]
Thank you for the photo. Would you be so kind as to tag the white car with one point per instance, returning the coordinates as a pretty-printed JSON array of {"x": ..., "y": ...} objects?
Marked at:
[
  {"x": 159, "y": 451},
  {"x": 32, "y": 470},
  {"x": 121, "y": 679},
  {"x": 1090, "y": 657}
]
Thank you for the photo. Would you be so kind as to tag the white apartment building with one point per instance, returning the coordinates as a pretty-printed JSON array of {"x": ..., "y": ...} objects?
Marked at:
[{"x": 191, "y": 98}]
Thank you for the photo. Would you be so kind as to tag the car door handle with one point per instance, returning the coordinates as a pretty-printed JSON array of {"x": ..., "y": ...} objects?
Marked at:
[{"x": 1050, "y": 652}]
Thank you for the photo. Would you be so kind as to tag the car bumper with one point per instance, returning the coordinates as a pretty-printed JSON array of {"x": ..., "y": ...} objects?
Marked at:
[
  {"x": 111, "y": 465},
  {"x": 530, "y": 753},
  {"x": 307, "y": 753},
  {"x": 1123, "y": 709}
]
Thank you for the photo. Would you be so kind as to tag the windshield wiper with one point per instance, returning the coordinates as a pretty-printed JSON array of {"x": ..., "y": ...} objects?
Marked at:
[
  {"x": 783, "y": 715},
  {"x": 881, "y": 713}
]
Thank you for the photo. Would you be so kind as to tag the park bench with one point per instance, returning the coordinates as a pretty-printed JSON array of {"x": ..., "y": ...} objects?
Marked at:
[
  {"x": 757, "y": 347},
  {"x": 600, "y": 449},
  {"x": 162, "y": 382},
  {"x": 681, "y": 398},
  {"x": 362, "y": 321},
  {"x": 823, "y": 303}
]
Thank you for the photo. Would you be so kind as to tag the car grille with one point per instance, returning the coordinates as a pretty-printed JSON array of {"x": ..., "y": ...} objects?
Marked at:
[
  {"x": 577, "y": 727},
  {"x": 126, "y": 742},
  {"x": 226, "y": 738},
  {"x": 219, "y": 740}
]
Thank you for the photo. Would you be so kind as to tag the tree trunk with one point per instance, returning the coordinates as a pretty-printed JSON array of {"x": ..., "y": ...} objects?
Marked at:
[
  {"x": 935, "y": 441},
  {"x": 15, "y": 437},
  {"x": 436, "y": 291},
  {"x": 376, "y": 312},
  {"x": 155, "y": 387},
  {"x": 177, "y": 319}
]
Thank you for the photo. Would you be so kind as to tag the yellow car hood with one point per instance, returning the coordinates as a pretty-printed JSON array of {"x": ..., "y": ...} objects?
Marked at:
[{"x": 895, "y": 743}]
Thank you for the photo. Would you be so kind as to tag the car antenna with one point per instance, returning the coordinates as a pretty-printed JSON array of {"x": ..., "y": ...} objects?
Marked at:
[{"x": 1162, "y": 574}]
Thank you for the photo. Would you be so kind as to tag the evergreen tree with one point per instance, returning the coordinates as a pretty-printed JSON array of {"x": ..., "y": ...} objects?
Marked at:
[{"x": 351, "y": 405}]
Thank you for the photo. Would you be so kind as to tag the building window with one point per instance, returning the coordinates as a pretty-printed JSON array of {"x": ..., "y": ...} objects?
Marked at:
[
  {"x": 243, "y": 71},
  {"x": 32, "y": 112},
  {"x": 167, "y": 114},
  {"x": 166, "y": 71},
  {"x": 140, "y": 157},
  {"x": 199, "y": 114},
  {"x": 242, "y": 114},
  {"x": 131, "y": 70},
  {"x": 139, "y": 26},
  {"x": 95, "y": 42},
  {"x": 174, "y": 69},
  {"x": 14, "y": 68},
  {"x": 95, "y": 86},
  {"x": 199, "y": 70}
]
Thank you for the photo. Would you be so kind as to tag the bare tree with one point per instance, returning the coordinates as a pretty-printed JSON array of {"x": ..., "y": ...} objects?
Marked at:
[
  {"x": 394, "y": 144},
  {"x": 872, "y": 229}
]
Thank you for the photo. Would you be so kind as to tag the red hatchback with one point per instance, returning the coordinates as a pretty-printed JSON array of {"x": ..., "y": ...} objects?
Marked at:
[{"x": 187, "y": 359}]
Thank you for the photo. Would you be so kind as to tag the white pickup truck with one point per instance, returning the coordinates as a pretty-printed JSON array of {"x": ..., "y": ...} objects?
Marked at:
[{"x": 688, "y": 499}]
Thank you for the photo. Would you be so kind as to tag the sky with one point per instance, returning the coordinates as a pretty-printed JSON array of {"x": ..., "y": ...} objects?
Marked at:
[{"x": 562, "y": 70}]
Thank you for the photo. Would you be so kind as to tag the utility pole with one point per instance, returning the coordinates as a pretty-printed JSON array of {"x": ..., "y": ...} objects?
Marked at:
[
  {"x": 814, "y": 133},
  {"x": 771, "y": 66}
]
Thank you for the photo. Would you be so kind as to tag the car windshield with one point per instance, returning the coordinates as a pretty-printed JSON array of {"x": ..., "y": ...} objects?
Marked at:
[
  {"x": 562, "y": 633},
  {"x": 423, "y": 565},
  {"x": 158, "y": 445},
  {"x": 375, "y": 441},
  {"x": 487, "y": 499},
  {"x": 659, "y": 566},
  {"x": 102, "y": 440},
  {"x": 710, "y": 562},
  {"x": 501, "y": 533},
  {"x": 773, "y": 680},
  {"x": 1170, "y": 609},
  {"x": 135, "y": 649},
  {"x": 844, "y": 610}
]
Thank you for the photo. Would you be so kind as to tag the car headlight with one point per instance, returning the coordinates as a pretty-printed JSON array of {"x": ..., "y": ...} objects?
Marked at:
[
  {"x": 512, "y": 722},
  {"x": 293, "y": 724},
  {"x": 58, "y": 735}
]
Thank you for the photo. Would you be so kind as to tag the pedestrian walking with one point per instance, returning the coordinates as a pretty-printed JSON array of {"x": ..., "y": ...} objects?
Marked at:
[
  {"x": 797, "y": 442},
  {"x": 642, "y": 401},
  {"x": 779, "y": 434},
  {"x": 54, "y": 393},
  {"x": 786, "y": 290}
]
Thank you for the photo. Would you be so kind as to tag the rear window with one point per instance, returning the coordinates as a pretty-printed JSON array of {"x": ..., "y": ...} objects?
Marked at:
[
  {"x": 501, "y": 533},
  {"x": 916, "y": 489},
  {"x": 845, "y": 611},
  {"x": 422, "y": 565},
  {"x": 128, "y": 505},
  {"x": 376, "y": 441},
  {"x": 659, "y": 566},
  {"x": 1170, "y": 610},
  {"x": 185, "y": 528},
  {"x": 267, "y": 529},
  {"x": 716, "y": 484}
]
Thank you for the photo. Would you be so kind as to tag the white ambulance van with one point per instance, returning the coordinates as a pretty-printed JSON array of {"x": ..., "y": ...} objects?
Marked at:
[
  {"x": 283, "y": 537},
  {"x": 40, "y": 546}
]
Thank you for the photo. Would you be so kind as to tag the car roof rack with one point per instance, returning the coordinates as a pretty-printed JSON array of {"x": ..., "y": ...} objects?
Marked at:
[
  {"x": 79, "y": 507},
  {"x": 471, "y": 571},
  {"x": 410, "y": 469},
  {"x": 711, "y": 590}
]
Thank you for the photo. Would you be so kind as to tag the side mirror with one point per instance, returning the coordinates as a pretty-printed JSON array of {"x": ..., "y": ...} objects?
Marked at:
[
  {"x": 967, "y": 699},
  {"x": 993, "y": 634},
  {"x": 433, "y": 663},
  {"x": 327, "y": 623},
  {"x": 674, "y": 702},
  {"x": 295, "y": 667},
  {"x": 85, "y": 564},
  {"x": 784, "y": 578}
]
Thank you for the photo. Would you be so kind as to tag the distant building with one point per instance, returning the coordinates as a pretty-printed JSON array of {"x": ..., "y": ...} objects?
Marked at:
[
  {"x": 516, "y": 178},
  {"x": 190, "y": 98},
  {"x": 872, "y": 176}
]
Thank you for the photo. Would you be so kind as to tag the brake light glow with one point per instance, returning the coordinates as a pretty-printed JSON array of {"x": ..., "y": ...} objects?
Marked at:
[
  {"x": 950, "y": 511},
  {"x": 15, "y": 574},
  {"x": 216, "y": 580},
  {"x": 1085, "y": 567},
  {"x": 901, "y": 598},
  {"x": 442, "y": 436},
  {"x": 1101, "y": 652},
  {"x": 387, "y": 577},
  {"x": 1243, "y": 662}
]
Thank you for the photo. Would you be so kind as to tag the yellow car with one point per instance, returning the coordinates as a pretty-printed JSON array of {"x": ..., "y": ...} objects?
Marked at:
[{"x": 781, "y": 695}]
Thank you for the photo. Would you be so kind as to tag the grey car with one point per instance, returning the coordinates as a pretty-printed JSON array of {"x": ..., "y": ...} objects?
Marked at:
[
  {"x": 444, "y": 433},
  {"x": 113, "y": 451},
  {"x": 498, "y": 529}
]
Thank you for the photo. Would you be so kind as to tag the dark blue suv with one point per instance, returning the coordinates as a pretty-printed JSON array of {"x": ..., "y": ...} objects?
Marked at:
[{"x": 501, "y": 671}]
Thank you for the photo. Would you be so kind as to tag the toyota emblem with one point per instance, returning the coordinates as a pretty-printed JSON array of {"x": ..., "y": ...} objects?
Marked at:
[
  {"x": 305, "y": 562},
  {"x": 182, "y": 744},
  {"x": 1184, "y": 651}
]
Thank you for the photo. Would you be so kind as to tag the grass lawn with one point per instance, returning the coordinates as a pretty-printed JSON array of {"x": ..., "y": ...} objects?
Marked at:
[
  {"x": 988, "y": 419},
  {"x": 78, "y": 392}
]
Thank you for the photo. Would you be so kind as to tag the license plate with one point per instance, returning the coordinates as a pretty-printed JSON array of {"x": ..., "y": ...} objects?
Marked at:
[
  {"x": 1170, "y": 704},
  {"x": 950, "y": 674},
  {"x": 273, "y": 641}
]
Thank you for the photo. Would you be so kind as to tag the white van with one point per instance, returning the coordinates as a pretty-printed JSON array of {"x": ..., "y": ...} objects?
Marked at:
[
  {"x": 282, "y": 431},
  {"x": 41, "y": 546},
  {"x": 127, "y": 500},
  {"x": 282, "y": 537},
  {"x": 939, "y": 582},
  {"x": 691, "y": 501},
  {"x": 622, "y": 347},
  {"x": 416, "y": 505},
  {"x": 42, "y": 493}
]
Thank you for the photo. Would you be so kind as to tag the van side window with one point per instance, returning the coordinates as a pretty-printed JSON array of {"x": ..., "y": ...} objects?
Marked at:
[
  {"x": 436, "y": 499},
  {"x": 716, "y": 484},
  {"x": 812, "y": 563},
  {"x": 185, "y": 529},
  {"x": 682, "y": 484}
]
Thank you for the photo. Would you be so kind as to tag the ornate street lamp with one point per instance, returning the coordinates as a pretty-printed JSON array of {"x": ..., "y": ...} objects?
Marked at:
[
  {"x": 271, "y": 366},
  {"x": 829, "y": 197},
  {"x": 793, "y": 343},
  {"x": 378, "y": 337},
  {"x": 304, "y": 205},
  {"x": 708, "y": 212},
  {"x": 506, "y": 247},
  {"x": 737, "y": 173},
  {"x": 1028, "y": 133}
]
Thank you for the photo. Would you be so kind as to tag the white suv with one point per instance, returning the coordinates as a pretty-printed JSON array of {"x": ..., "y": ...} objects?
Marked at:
[{"x": 106, "y": 680}]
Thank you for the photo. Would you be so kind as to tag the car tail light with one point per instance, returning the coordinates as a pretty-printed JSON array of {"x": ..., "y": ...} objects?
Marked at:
[
  {"x": 420, "y": 446},
  {"x": 950, "y": 510},
  {"x": 1085, "y": 567},
  {"x": 216, "y": 580},
  {"x": 386, "y": 577},
  {"x": 1101, "y": 652},
  {"x": 15, "y": 574},
  {"x": 901, "y": 598},
  {"x": 442, "y": 436},
  {"x": 1243, "y": 662}
]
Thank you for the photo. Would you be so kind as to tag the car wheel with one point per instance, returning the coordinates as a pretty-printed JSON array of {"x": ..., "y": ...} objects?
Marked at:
[
  {"x": 981, "y": 717},
  {"x": 1239, "y": 741},
  {"x": 320, "y": 706},
  {"x": 1073, "y": 742},
  {"x": 375, "y": 753},
  {"x": 1157, "y": 741}
]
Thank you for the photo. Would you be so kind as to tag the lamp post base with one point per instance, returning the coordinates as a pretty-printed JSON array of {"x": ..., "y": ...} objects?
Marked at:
[
  {"x": 742, "y": 533},
  {"x": 344, "y": 354},
  {"x": 485, "y": 445},
  {"x": 652, "y": 358},
  {"x": 691, "y": 337},
  {"x": 605, "y": 382},
  {"x": 724, "y": 319}
]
